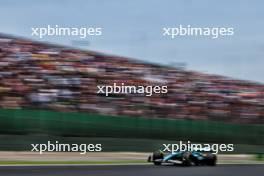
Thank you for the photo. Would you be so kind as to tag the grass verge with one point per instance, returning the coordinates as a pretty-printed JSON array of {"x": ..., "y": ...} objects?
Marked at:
[{"x": 71, "y": 162}]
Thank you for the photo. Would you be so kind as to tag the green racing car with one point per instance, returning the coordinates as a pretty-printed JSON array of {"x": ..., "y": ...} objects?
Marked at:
[{"x": 186, "y": 158}]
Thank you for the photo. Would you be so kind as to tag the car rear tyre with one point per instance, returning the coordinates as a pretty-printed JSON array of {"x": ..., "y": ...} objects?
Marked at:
[{"x": 212, "y": 162}]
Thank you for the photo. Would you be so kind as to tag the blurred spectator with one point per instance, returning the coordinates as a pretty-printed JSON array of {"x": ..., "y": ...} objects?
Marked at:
[{"x": 36, "y": 75}]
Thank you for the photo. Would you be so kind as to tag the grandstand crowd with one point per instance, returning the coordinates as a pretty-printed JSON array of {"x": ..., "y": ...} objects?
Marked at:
[{"x": 43, "y": 76}]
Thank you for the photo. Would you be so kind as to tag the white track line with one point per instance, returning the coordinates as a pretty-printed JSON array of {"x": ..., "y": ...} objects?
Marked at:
[{"x": 125, "y": 164}]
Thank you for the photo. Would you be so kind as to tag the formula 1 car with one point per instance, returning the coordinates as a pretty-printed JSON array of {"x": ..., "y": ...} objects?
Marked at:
[{"x": 185, "y": 158}]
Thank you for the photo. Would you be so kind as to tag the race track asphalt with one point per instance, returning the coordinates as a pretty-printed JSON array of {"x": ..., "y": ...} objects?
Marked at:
[{"x": 133, "y": 170}]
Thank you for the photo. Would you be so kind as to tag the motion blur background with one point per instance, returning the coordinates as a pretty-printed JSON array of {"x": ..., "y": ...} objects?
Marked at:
[{"x": 48, "y": 91}]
